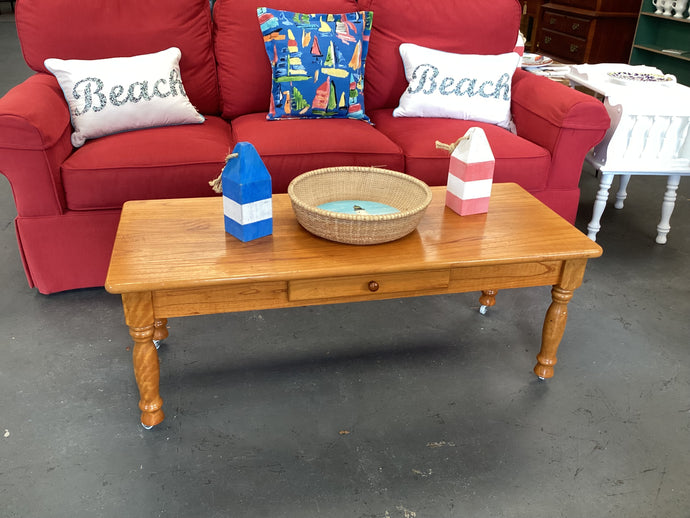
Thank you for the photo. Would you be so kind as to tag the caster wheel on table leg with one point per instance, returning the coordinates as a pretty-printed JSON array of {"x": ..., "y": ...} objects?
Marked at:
[
  {"x": 483, "y": 309},
  {"x": 146, "y": 427},
  {"x": 157, "y": 343}
]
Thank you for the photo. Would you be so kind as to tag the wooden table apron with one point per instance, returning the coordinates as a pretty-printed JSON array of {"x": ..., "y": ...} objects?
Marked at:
[{"x": 560, "y": 262}]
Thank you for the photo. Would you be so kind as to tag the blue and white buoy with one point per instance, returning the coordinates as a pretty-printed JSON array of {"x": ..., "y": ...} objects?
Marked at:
[{"x": 247, "y": 206}]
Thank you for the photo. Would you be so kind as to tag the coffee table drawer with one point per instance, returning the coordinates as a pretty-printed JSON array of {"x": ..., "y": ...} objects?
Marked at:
[{"x": 376, "y": 285}]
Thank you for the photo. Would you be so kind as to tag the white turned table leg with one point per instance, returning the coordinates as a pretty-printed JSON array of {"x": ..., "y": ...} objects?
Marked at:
[
  {"x": 622, "y": 193},
  {"x": 667, "y": 208},
  {"x": 599, "y": 205}
]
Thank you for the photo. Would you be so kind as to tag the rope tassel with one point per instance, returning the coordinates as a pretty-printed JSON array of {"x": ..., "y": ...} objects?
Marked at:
[
  {"x": 217, "y": 183},
  {"x": 450, "y": 147}
]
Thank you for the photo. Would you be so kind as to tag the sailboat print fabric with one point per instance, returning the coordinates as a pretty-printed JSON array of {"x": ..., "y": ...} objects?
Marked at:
[{"x": 317, "y": 62}]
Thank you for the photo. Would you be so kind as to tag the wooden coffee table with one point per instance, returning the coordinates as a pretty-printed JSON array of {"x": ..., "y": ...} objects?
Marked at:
[{"x": 172, "y": 258}]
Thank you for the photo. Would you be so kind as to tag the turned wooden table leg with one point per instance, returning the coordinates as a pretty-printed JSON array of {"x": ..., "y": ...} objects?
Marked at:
[
  {"x": 557, "y": 316},
  {"x": 487, "y": 300},
  {"x": 139, "y": 317},
  {"x": 147, "y": 374},
  {"x": 552, "y": 332},
  {"x": 667, "y": 208},
  {"x": 599, "y": 205},
  {"x": 622, "y": 193},
  {"x": 160, "y": 331}
]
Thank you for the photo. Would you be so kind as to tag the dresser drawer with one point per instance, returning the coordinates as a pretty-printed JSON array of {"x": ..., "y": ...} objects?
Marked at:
[
  {"x": 614, "y": 6},
  {"x": 568, "y": 48},
  {"x": 581, "y": 4},
  {"x": 567, "y": 24},
  {"x": 374, "y": 285}
]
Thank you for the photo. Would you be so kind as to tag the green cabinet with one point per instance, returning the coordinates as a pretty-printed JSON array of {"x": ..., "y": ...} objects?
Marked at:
[{"x": 663, "y": 42}]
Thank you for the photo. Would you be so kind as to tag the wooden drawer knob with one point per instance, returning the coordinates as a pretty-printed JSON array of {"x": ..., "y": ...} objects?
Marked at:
[{"x": 373, "y": 286}]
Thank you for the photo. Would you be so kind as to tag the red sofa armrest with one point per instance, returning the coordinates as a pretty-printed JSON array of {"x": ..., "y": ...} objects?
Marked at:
[
  {"x": 565, "y": 121},
  {"x": 34, "y": 141}
]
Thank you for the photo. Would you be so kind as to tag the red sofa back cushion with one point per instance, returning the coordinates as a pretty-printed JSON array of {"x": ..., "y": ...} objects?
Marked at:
[
  {"x": 460, "y": 26},
  {"x": 244, "y": 72},
  {"x": 68, "y": 29}
]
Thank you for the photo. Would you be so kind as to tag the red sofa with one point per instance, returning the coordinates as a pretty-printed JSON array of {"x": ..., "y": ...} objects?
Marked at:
[{"x": 69, "y": 200}]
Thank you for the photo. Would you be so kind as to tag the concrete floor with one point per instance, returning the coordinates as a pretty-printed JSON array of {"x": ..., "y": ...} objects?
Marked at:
[{"x": 413, "y": 408}]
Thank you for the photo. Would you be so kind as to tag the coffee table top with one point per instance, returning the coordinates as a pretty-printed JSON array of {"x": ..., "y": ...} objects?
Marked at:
[{"x": 182, "y": 243}]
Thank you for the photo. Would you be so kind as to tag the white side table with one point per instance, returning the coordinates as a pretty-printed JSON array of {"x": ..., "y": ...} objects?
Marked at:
[{"x": 649, "y": 135}]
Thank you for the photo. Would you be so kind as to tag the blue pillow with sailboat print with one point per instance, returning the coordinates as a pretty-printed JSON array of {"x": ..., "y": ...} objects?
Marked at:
[{"x": 317, "y": 62}]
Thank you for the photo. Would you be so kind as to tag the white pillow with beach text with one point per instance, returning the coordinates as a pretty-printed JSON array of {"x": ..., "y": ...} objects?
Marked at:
[
  {"x": 112, "y": 95},
  {"x": 457, "y": 86}
]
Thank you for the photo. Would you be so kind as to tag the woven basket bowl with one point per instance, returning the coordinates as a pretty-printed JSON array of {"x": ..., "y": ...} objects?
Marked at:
[{"x": 403, "y": 192}]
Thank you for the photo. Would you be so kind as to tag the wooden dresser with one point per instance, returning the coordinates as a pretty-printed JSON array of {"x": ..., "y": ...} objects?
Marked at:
[{"x": 587, "y": 31}]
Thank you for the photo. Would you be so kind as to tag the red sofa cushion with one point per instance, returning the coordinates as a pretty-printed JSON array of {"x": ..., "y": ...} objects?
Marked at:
[
  {"x": 517, "y": 160},
  {"x": 58, "y": 29},
  {"x": 168, "y": 162},
  {"x": 433, "y": 25},
  {"x": 291, "y": 147},
  {"x": 245, "y": 75}
]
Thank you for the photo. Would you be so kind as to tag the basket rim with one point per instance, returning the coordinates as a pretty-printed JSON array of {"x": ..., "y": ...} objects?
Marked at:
[{"x": 359, "y": 217}]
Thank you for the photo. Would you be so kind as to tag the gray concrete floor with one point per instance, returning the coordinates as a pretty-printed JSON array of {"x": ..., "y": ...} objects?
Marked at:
[{"x": 443, "y": 415}]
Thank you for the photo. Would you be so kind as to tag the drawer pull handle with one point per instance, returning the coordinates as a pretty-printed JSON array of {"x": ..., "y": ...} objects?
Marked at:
[
  {"x": 552, "y": 21},
  {"x": 576, "y": 26},
  {"x": 373, "y": 286},
  {"x": 574, "y": 48},
  {"x": 547, "y": 39}
]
